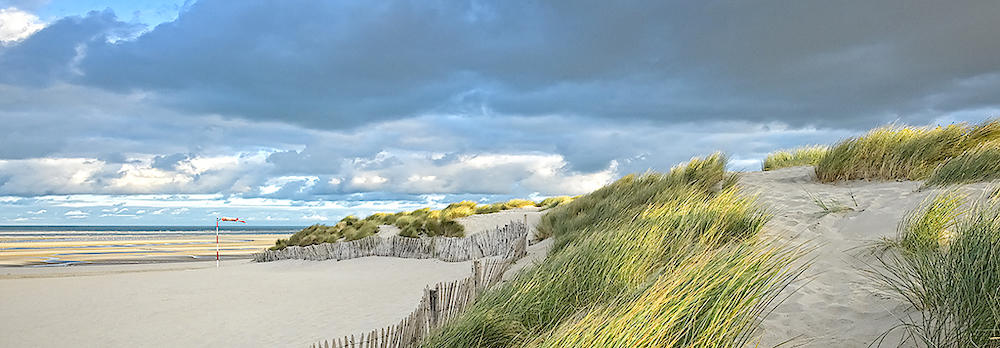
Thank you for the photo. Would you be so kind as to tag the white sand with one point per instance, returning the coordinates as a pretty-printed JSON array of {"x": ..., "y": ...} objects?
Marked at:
[
  {"x": 277, "y": 304},
  {"x": 482, "y": 222},
  {"x": 294, "y": 303},
  {"x": 835, "y": 305}
]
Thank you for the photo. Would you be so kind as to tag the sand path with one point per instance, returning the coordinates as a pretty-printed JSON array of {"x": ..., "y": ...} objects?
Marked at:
[{"x": 835, "y": 304}]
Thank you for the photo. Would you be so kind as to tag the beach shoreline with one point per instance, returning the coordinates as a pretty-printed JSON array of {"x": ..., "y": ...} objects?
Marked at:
[
  {"x": 59, "y": 251},
  {"x": 174, "y": 301}
]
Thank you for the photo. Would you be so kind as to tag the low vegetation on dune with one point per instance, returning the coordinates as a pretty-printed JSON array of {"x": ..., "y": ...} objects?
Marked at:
[
  {"x": 420, "y": 222},
  {"x": 912, "y": 153},
  {"x": 803, "y": 156},
  {"x": 651, "y": 260},
  {"x": 981, "y": 163},
  {"x": 945, "y": 262},
  {"x": 553, "y": 202}
]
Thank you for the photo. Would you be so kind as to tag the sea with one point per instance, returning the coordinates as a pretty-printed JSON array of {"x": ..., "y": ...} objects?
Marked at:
[
  {"x": 67, "y": 245},
  {"x": 85, "y": 232}
]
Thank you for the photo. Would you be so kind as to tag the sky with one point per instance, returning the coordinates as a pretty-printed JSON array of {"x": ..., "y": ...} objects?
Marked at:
[{"x": 302, "y": 112}]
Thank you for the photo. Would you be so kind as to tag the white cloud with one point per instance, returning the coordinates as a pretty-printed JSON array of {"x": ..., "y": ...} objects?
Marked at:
[
  {"x": 418, "y": 172},
  {"x": 272, "y": 185},
  {"x": 368, "y": 181},
  {"x": 62, "y": 175},
  {"x": 428, "y": 178},
  {"x": 115, "y": 210},
  {"x": 76, "y": 214},
  {"x": 16, "y": 25},
  {"x": 37, "y": 212},
  {"x": 313, "y": 217}
]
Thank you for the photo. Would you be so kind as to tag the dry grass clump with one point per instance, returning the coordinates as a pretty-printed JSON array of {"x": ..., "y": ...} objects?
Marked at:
[
  {"x": 631, "y": 191},
  {"x": 501, "y": 206},
  {"x": 803, "y": 156},
  {"x": 650, "y": 260},
  {"x": 348, "y": 228},
  {"x": 830, "y": 206},
  {"x": 710, "y": 300},
  {"x": 981, "y": 163},
  {"x": 426, "y": 222},
  {"x": 420, "y": 222},
  {"x": 902, "y": 153},
  {"x": 946, "y": 264},
  {"x": 553, "y": 202}
]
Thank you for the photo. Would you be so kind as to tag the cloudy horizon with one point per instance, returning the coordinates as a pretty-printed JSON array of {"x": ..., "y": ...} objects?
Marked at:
[{"x": 292, "y": 113}]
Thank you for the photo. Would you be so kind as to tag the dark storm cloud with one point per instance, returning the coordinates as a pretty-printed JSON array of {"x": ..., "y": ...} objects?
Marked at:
[
  {"x": 340, "y": 65},
  {"x": 53, "y": 53},
  {"x": 355, "y": 107}
]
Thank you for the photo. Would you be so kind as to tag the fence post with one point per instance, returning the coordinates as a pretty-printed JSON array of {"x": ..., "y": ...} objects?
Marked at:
[
  {"x": 477, "y": 276},
  {"x": 433, "y": 302}
]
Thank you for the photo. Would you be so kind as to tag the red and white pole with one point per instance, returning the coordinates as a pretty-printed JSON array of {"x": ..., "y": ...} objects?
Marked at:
[
  {"x": 217, "y": 220},
  {"x": 216, "y": 242}
]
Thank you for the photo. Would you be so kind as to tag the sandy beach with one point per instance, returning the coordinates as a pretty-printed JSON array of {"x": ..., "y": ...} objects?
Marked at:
[
  {"x": 290, "y": 303},
  {"x": 293, "y": 303},
  {"x": 277, "y": 304}
]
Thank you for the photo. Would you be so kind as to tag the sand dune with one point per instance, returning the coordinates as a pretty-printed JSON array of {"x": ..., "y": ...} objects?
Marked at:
[
  {"x": 482, "y": 222},
  {"x": 292, "y": 303},
  {"x": 834, "y": 304}
]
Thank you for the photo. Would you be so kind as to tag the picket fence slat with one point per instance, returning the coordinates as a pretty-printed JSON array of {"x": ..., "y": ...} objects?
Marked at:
[
  {"x": 500, "y": 241},
  {"x": 440, "y": 303}
]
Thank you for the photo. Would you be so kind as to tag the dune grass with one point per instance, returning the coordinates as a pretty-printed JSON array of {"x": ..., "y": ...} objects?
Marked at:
[
  {"x": 712, "y": 299},
  {"x": 901, "y": 152},
  {"x": 650, "y": 260},
  {"x": 945, "y": 262},
  {"x": 420, "y": 222},
  {"x": 981, "y": 163},
  {"x": 829, "y": 206},
  {"x": 803, "y": 156},
  {"x": 553, "y": 202}
]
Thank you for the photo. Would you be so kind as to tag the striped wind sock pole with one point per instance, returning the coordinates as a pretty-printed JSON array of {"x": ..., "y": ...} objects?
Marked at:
[{"x": 217, "y": 220}]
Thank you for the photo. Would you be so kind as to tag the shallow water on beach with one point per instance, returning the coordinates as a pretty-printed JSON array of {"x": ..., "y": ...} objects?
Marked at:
[{"x": 72, "y": 245}]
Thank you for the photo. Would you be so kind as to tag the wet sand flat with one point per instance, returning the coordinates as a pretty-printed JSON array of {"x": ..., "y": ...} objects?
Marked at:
[{"x": 16, "y": 251}]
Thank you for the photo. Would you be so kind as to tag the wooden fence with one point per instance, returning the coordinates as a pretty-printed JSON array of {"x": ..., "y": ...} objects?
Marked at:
[
  {"x": 494, "y": 242},
  {"x": 440, "y": 304}
]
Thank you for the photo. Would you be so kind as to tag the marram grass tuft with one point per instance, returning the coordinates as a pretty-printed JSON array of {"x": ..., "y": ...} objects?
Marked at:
[
  {"x": 803, "y": 156},
  {"x": 981, "y": 163},
  {"x": 653, "y": 260},
  {"x": 420, "y": 222},
  {"x": 946, "y": 264},
  {"x": 902, "y": 153}
]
